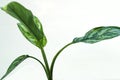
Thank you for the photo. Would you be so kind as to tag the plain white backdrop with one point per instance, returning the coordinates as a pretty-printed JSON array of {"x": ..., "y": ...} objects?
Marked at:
[{"x": 62, "y": 21}]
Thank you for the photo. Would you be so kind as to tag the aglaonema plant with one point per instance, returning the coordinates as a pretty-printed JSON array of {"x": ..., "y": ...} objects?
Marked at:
[{"x": 32, "y": 29}]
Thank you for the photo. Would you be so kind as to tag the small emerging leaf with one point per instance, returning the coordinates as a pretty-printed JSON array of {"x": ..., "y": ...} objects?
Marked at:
[
  {"x": 98, "y": 34},
  {"x": 14, "y": 64},
  {"x": 29, "y": 25}
]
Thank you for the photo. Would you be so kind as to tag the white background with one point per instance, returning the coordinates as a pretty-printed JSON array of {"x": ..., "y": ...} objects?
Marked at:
[{"x": 62, "y": 21}]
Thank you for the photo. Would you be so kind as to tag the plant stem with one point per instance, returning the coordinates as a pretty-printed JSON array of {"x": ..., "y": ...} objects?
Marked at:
[
  {"x": 46, "y": 63},
  {"x": 40, "y": 63},
  {"x": 55, "y": 57}
]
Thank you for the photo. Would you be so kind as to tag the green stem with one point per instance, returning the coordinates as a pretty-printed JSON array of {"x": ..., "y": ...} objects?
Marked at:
[
  {"x": 55, "y": 57},
  {"x": 40, "y": 63},
  {"x": 46, "y": 62}
]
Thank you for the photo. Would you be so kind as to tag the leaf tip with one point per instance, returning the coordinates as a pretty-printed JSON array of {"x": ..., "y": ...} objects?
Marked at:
[
  {"x": 4, "y": 8},
  {"x": 1, "y": 8}
]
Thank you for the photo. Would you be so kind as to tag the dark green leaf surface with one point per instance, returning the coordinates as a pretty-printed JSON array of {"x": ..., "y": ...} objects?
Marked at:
[
  {"x": 14, "y": 64},
  {"x": 28, "y": 23},
  {"x": 98, "y": 34}
]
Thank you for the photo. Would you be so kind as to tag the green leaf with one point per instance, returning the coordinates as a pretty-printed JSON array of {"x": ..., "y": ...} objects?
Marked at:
[
  {"x": 14, "y": 64},
  {"x": 28, "y": 22},
  {"x": 38, "y": 24},
  {"x": 98, "y": 34},
  {"x": 28, "y": 35}
]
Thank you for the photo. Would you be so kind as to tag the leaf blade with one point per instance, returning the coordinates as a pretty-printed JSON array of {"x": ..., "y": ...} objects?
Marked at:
[
  {"x": 14, "y": 64},
  {"x": 26, "y": 17},
  {"x": 98, "y": 34},
  {"x": 29, "y": 36},
  {"x": 39, "y": 26}
]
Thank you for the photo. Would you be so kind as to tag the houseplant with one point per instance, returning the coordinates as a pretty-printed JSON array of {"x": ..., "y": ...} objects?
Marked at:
[{"x": 32, "y": 29}]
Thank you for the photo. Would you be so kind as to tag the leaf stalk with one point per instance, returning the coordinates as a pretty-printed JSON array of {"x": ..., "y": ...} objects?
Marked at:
[
  {"x": 55, "y": 57},
  {"x": 46, "y": 62}
]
